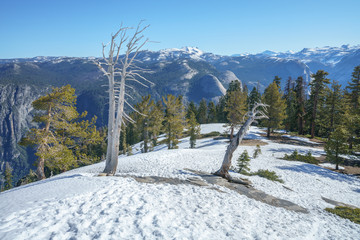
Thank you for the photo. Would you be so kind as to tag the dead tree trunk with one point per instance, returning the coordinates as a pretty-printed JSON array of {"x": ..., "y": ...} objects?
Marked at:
[
  {"x": 252, "y": 115},
  {"x": 122, "y": 67}
]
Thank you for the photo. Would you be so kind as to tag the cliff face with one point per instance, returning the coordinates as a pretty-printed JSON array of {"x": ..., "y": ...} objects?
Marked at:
[{"x": 15, "y": 120}]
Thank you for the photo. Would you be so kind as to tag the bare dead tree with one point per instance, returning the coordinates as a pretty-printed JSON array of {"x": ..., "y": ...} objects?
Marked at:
[
  {"x": 252, "y": 116},
  {"x": 119, "y": 66}
]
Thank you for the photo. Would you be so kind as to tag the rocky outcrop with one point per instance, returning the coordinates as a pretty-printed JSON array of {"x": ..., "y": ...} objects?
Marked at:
[
  {"x": 207, "y": 87},
  {"x": 15, "y": 120}
]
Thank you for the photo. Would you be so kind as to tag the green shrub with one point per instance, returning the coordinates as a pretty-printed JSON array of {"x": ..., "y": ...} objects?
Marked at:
[
  {"x": 353, "y": 214},
  {"x": 257, "y": 151},
  {"x": 295, "y": 156},
  {"x": 271, "y": 175},
  {"x": 243, "y": 162}
]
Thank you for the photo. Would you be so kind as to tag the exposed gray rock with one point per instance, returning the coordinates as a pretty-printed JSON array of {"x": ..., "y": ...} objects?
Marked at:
[
  {"x": 207, "y": 179},
  {"x": 228, "y": 76},
  {"x": 208, "y": 87},
  {"x": 15, "y": 120}
]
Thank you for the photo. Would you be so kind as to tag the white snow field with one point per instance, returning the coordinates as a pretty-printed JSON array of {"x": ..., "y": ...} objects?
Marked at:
[{"x": 79, "y": 205}]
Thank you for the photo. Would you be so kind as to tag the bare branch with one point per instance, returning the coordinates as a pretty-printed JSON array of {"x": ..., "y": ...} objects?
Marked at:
[
  {"x": 128, "y": 118},
  {"x": 133, "y": 79},
  {"x": 135, "y": 109}
]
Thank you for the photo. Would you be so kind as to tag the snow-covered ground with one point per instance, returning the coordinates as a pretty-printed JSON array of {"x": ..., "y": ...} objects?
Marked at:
[{"x": 79, "y": 205}]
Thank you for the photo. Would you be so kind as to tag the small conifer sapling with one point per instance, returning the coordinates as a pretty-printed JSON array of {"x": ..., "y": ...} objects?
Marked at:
[
  {"x": 257, "y": 151},
  {"x": 243, "y": 162}
]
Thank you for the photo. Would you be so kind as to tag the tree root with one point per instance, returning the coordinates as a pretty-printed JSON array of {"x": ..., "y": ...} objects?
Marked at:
[{"x": 227, "y": 176}]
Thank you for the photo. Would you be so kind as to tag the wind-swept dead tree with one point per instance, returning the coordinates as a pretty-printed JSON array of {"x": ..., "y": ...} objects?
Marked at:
[
  {"x": 252, "y": 115},
  {"x": 119, "y": 66}
]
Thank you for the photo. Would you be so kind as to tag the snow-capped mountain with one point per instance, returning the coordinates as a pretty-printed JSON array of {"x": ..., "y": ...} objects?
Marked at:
[
  {"x": 339, "y": 62},
  {"x": 326, "y": 55},
  {"x": 172, "y": 54}
]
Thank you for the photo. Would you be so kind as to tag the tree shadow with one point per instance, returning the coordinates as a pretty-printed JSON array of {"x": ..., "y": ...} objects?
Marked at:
[
  {"x": 41, "y": 182},
  {"x": 323, "y": 172},
  {"x": 300, "y": 151},
  {"x": 357, "y": 190},
  {"x": 210, "y": 143}
]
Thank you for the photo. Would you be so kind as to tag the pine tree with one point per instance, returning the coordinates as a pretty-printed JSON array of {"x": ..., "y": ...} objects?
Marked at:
[
  {"x": 276, "y": 109},
  {"x": 156, "y": 119},
  {"x": 174, "y": 120},
  {"x": 8, "y": 177},
  {"x": 142, "y": 120},
  {"x": 354, "y": 88},
  {"x": 336, "y": 145},
  {"x": 317, "y": 89},
  {"x": 300, "y": 104},
  {"x": 277, "y": 80},
  {"x": 234, "y": 85},
  {"x": 254, "y": 97},
  {"x": 202, "y": 112},
  {"x": 243, "y": 162},
  {"x": 236, "y": 108},
  {"x": 63, "y": 142},
  {"x": 351, "y": 121},
  {"x": 123, "y": 146},
  {"x": 220, "y": 110},
  {"x": 212, "y": 114},
  {"x": 290, "y": 99},
  {"x": 191, "y": 108},
  {"x": 257, "y": 151},
  {"x": 332, "y": 110},
  {"x": 245, "y": 90},
  {"x": 352, "y": 117},
  {"x": 194, "y": 130}
]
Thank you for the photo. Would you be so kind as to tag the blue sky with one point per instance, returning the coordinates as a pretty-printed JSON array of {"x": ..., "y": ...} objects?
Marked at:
[{"x": 32, "y": 28}]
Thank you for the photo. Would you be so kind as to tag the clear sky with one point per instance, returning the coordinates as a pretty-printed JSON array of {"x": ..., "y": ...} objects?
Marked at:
[{"x": 32, "y": 28}]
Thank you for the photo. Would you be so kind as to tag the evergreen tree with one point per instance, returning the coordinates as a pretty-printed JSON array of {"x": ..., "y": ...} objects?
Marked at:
[
  {"x": 331, "y": 111},
  {"x": 123, "y": 146},
  {"x": 236, "y": 108},
  {"x": 220, "y": 110},
  {"x": 300, "y": 104},
  {"x": 222, "y": 114},
  {"x": 354, "y": 88},
  {"x": 290, "y": 121},
  {"x": 352, "y": 117},
  {"x": 257, "y": 151},
  {"x": 174, "y": 120},
  {"x": 202, "y": 112},
  {"x": 142, "y": 120},
  {"x": 317, "y": 88},
  {"x": 243, "y": 162},
  {"x": 191, "y": 108},
  {"x": 63, "y": 142},
  {"x": 212, "y": 114},
  {"x": 336, "y": 145},
  {"x": 8, "y": 177},
  {"x": 194, "y": 130},
  {"x": 277, "y": 80},
  {"x": 156, "y": 119},
  {"x": 352, "y": 123},
  {"x": 276, "y": 109},
  {"x": 245, "y": 90},
  {"x": 254, "y": 97},
  {"x": 234, "y": 85}
]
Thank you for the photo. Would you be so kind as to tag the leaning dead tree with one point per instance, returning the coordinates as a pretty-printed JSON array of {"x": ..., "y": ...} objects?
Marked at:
[
  {"x": 119, "y": 66},
  {"x": 252, "y": 116}
]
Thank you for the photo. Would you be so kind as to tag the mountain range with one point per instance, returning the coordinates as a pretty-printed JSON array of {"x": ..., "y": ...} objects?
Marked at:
[{"x": 187, "y": 71}]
